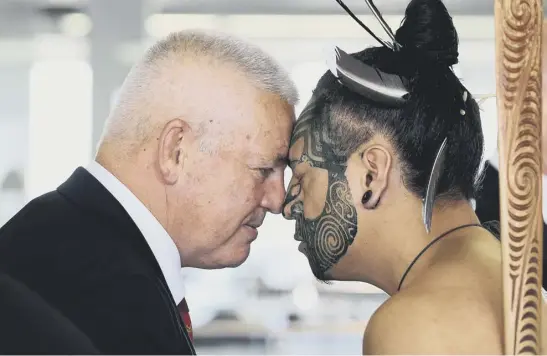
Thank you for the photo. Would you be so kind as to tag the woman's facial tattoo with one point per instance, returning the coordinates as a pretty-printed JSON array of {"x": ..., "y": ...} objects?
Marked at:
[{"x": 327, "y": 236}]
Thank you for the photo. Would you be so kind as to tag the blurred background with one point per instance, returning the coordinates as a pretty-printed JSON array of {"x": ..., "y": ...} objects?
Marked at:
[{"x": 61, "y": 62}]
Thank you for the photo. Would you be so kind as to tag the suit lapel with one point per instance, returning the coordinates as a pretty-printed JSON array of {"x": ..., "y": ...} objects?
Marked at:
[
  {"x": 86, "y": 192},
  {"x": 89, "y": 194}
]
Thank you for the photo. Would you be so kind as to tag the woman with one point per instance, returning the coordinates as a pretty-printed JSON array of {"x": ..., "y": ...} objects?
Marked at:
[{"x": 385, "y": 159}]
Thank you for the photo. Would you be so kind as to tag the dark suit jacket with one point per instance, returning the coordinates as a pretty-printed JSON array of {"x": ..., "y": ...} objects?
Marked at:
[
  {"x": 29, "y": 326},
  {"x": 488, "y": 206},
  {"x": 82, "y": 253}
]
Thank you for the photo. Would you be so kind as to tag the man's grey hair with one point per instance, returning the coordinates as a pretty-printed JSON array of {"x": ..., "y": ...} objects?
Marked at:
[{"x": 262, "y": 70}]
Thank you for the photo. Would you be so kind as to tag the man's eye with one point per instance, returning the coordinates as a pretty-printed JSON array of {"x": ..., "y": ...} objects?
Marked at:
[{"x": 265, "y": 172}]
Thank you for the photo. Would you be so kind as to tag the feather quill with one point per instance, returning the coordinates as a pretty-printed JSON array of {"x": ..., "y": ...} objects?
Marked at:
[
  {"x": 431, "y": 192},
  {"x": 383, "y": 23},
  {"x": 482, "y": 98},
  {"x": 365, "y": 27},
  {"x": 384, "y": 88}
]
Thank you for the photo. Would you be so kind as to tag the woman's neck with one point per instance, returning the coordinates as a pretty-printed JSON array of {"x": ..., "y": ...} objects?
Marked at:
[
  {"x": 448, "y": 221},
  {"x": 397, "y": 248}
]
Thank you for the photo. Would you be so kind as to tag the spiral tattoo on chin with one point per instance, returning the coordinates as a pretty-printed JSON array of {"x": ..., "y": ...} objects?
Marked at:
[{"x": 329, "y": 235}]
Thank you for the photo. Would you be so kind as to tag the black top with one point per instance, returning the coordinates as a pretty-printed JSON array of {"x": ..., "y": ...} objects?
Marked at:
[
  {"x": 82, "y": 253},
  {"x": 28, "y": 325},
  {"x": 488, "y": 204}
]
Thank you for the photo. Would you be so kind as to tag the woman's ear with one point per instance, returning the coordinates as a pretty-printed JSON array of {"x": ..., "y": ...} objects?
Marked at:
[{"x": 376, "y": 163}]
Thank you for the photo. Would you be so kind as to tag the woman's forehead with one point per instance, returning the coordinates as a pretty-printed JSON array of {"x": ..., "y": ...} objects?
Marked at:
[{"x": 296, "y": 150}]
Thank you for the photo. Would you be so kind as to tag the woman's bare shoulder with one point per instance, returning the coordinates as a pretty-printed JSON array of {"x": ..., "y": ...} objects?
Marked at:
[{"x": 440, "y": 322}]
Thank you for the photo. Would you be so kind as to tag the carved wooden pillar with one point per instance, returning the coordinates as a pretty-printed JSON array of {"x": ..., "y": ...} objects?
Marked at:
[{"x": 518, "y": 68}]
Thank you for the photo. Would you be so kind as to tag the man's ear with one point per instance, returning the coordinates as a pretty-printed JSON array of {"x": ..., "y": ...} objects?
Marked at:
[
  {"x": 376, "y": 161},
  {"x": 170, "y": 150}
]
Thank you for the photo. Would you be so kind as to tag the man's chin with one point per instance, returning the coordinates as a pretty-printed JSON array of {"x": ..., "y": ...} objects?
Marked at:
[
  {"x": 240, "y": 256},
  {"x": 235, "y": 259}
]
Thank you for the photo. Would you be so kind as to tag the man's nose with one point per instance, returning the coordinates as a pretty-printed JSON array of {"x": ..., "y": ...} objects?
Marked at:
[{"x": 274, "y": 197}]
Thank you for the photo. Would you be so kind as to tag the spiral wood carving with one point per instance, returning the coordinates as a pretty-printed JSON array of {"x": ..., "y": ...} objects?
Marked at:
[{"x": 518, "y": 62}]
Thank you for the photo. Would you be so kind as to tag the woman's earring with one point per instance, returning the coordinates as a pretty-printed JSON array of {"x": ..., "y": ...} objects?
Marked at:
[{"x": 366, "y": 197}]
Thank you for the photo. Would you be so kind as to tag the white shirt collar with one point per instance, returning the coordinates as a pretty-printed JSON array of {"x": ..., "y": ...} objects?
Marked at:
[
  {"x": 164, "y": 249},
  {"x": 495, "y": 162}
]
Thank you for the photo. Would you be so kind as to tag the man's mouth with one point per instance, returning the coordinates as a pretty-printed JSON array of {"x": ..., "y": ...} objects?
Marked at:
[{"x": 255, "y": 223}]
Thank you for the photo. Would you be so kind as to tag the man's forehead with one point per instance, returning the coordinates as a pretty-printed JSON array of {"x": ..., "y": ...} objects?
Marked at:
[
  {"x": 267, "y": 133},
  {"x": 270, "y": 140}
]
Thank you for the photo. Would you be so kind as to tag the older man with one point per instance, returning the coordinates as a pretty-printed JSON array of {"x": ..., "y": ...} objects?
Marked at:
[{"x": 191, "y": 159}]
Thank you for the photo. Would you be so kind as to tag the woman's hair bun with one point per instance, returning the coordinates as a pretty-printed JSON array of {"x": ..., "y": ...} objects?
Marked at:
[{"x": 428, "y": 31}]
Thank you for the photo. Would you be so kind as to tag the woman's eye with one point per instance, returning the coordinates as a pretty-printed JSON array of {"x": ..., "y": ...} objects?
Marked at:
[{"x": 295, "y": 190}]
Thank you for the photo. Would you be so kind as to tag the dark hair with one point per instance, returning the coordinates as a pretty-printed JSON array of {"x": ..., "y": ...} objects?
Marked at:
[{"x": 433, "y": 111}]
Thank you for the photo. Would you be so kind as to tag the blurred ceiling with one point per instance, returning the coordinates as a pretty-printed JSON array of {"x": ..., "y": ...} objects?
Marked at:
[
  {"x": 467, "y": 7},
  {"x": 480, "y": 7},
  {"x": 21, "y": 18}
]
